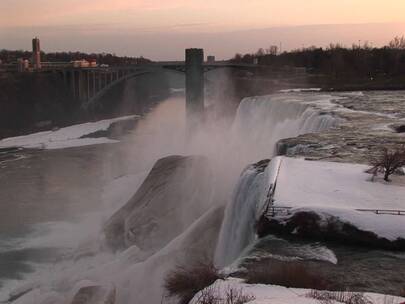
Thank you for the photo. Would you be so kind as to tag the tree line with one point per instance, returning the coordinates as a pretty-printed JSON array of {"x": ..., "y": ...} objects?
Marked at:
[
  {"x": 336, "y": 60},
  {"x": 8, "y": 56}
]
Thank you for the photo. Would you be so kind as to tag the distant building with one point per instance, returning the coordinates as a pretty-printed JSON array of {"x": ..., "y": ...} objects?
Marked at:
[
  {"x": 84, "y": 63},
  {"x": 22, "y": 65},
  {"x": 36, "y": 53},
  {"x": 210, "y": 59},
  {"x": 93, "y": 63}
]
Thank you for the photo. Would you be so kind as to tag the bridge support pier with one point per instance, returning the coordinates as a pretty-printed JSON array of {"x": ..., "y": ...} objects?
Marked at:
[{"x": 194, "y": 87}]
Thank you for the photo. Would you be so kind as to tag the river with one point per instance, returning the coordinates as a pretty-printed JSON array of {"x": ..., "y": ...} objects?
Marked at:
[{"x": 45, "y": 193}]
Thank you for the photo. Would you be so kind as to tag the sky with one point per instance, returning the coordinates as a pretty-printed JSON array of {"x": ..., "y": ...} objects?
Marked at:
[{"x": 160, "y": 30}]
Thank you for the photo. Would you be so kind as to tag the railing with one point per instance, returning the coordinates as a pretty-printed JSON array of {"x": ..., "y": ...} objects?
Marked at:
[
  {"x": 279, "y": 210},
  {"x": 383, "y": 211},
  {"x": 273, "y": 211}
]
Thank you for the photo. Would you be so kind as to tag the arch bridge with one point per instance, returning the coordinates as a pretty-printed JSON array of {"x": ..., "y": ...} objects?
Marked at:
[{"x": 89, "y": 84}]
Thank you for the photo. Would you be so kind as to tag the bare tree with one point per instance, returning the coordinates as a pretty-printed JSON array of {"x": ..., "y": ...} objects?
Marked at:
[
  {"x": 335, "y": 46},
  {"x": 260, "y": 52},
  {"x": 388, "y": 161},
  {"x": 272, "y": 50},
  {"x": 184, "y": 282},
  {"x": 397, "y": 43}
]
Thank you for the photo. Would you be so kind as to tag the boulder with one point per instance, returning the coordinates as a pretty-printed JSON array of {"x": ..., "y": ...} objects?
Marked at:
[{"x": 176, "y": 192}]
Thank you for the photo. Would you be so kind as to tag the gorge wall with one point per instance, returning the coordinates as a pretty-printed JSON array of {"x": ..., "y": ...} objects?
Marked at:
[{"x": 31, "y": 102}]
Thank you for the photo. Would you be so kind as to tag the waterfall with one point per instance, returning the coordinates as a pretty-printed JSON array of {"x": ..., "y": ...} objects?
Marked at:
[
  {"x": 248, "y": 201},
  {"x": 261, "y": 122}
]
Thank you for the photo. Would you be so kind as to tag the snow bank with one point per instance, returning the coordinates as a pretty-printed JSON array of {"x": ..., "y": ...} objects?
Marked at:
[
  {"x": 271, "y": 294},
  {"x": 64, "y": 137},
  {"x": 304, "y": 183},
  {"x": 300, "y": 90},
  {"x": 337, "y": 190}
]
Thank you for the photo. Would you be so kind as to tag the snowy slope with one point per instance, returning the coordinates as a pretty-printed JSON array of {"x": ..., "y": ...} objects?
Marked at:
[
  {"x": 337, "y": 190},
  {"x": 64, "y": 137},
  {"x": 271, "y": 294},
  {"x": 327, "y": 184}
]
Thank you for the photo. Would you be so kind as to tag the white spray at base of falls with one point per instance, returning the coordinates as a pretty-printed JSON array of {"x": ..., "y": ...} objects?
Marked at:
[{"x": 262, "y": 121}]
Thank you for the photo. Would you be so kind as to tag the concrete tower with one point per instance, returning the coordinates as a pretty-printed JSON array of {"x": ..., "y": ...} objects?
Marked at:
[
  {"x": 194, "y": 82},
  {"x": 36, "y": 53}
]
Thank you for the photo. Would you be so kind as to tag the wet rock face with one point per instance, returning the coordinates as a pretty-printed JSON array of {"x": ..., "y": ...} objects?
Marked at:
[
  {"x": 175, "y": 193},
  {"x": 309, "y": 225},
  {"x": 400, "y": 129},
  {"x": 261, "y": 165}
]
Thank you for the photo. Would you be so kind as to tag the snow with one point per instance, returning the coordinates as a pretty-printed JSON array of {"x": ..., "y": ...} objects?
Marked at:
[
  {"x": 272, "y": 294},
  {"x": 337, "y": 185},
  {"x": 177, "y": 90},
  {"x": 337, "y": 189},
  {"x": 64, "y": 137},
  {"x": 301, "y": 90}
]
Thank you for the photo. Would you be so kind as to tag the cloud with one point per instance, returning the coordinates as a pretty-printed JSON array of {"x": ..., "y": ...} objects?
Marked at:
[{"x": 226, "y": 14}]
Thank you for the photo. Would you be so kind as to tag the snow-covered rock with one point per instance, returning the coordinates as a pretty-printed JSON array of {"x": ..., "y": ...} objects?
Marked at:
[
  {"x": 303, "y": 183},
  {"x": 170, "y": 199},
  {"x": 335, "y": 201}
]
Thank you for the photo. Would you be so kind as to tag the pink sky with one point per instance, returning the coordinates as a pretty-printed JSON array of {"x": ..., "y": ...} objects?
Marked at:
[{"x": 135, "y": 27}]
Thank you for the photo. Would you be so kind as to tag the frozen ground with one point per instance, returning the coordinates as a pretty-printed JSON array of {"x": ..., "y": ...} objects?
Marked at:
[
  {"x": 337, "y": 190},
  {"x": 271, "y": 294},
  {"x": 64, "y": 137},
  {"x": 337, "y": 185}
]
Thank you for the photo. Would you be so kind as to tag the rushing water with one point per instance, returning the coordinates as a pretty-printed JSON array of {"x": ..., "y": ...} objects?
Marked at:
[
  {"x": 277, "y": 119},
  {"x": 352, "y": 268}
]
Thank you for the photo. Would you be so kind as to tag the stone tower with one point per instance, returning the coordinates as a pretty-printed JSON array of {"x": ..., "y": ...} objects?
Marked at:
[{"x": 36, "y": 53}]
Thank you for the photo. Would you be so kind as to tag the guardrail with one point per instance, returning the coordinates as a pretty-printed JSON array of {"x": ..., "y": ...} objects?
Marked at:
[
  {"x": 273, "y": 211},
  {"x": 279, "y": 210},
  {"x": 383, "y": 211}
]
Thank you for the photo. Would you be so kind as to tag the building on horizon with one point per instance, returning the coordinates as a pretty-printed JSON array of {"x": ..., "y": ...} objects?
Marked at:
[
  {"x": 92, "y": 63},
  {"x": 22, "y": 65},
  {"x": 36, "y": 53},
  {"x": 210, "y": 59}
]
